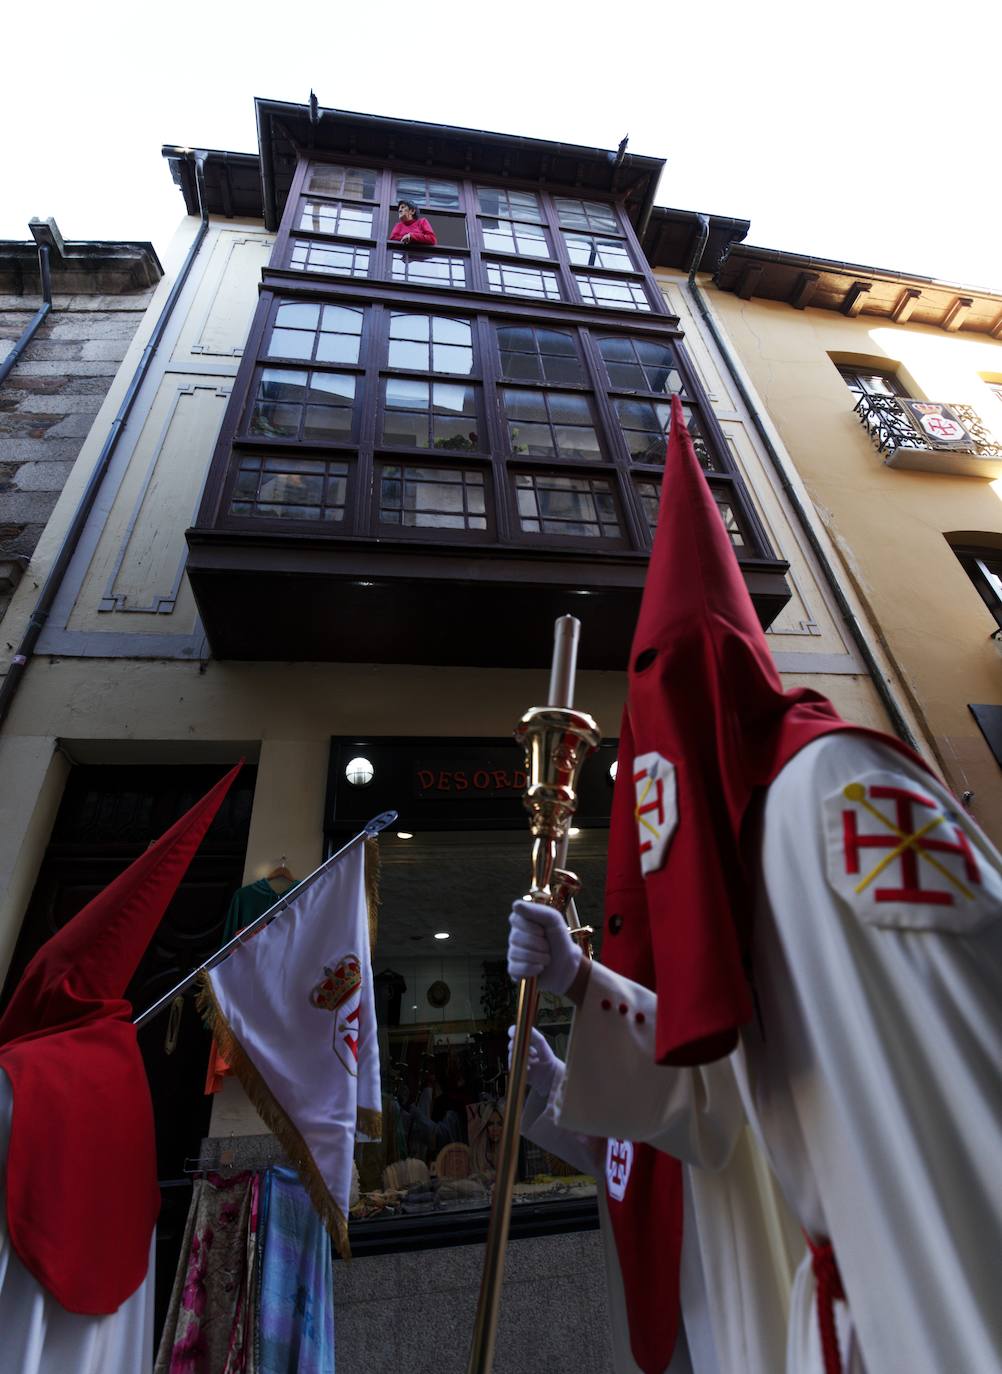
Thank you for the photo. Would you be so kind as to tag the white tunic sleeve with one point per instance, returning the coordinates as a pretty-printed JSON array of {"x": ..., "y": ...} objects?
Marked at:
[
  {"x": 878, "y": 958},
  {"x": 613, "y": 1088}
]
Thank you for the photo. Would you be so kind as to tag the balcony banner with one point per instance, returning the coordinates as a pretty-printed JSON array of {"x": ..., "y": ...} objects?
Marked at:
[
  {"x": 938, "y": 423},
  {"x": 293, "y": 1011}
]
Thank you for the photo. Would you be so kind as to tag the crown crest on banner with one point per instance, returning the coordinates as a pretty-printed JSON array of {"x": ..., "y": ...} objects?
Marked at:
[{"x": 338, "y": 984}]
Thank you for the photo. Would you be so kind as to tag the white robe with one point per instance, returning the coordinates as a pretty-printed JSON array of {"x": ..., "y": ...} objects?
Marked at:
[
  {"x": 739, "y": 1244},
  {"x": 874, "y": 1082},
  {"x": 37, "y": 1336}
]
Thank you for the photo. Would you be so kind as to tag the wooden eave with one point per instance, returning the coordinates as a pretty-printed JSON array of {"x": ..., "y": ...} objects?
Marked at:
[{"x": 853, "y": 289}]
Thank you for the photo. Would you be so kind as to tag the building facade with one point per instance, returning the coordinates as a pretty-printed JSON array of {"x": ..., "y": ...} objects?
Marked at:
[
  {"x": 358, "y": 481},
  {"x": 884, "y": 392}
]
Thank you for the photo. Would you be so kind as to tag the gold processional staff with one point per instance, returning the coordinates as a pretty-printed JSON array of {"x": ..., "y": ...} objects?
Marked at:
[{"x": 557, "y": 741}]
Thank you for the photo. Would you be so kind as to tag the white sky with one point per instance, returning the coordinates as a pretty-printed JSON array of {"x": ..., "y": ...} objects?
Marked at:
[{"x": 867, "y": 131}]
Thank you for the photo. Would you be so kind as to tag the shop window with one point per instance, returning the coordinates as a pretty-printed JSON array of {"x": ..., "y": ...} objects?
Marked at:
[
  {"x": 428, "y": 269},
  {"x": 432, "y": 498},
  {"x": 586, "y": 214},
  {"x": 645, "y": 427},
  {"x": 332, "y": 259},
  {"x": 526, "y": 239},
  {"x": 428, "y": 193},
  {"x": 551, "y": 424},
  {"x": 336, "y": 219},
  {"x": 286, "y": 488},
  {"x": 641, "y": 365},
  {"x": 430, "y": 343},
  {"x": 505, "y": 204},
  {"x": 577, "y": 507},
  {"x": 314, "y": 333},
  {"x": 538, "y": 355},
  {"x": 419, "y": 414},
  {"x": 347, "y": 183},
  {"x": 649, "y": 491},
  {"x": 592, "y": 250},
  {"x": 612, "y": 293},
  {"x": 303, "y": 405},
  {"x": 512, "y": 279}
]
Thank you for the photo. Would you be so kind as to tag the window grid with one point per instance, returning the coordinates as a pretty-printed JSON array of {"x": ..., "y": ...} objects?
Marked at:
[
  {"x": 430, "y": 343},
  {"x": 531, "y": 354},
  {"x": 303, "y": 405},
  {"x": 514, "y": 279},
  {"x": 506, "y": 204},
  {"x": 641, "y": 365},
  {"x": 336, "y": 219},
  {"x": 520, "y": 237},
  {"x": 428, "y": 193},
  {"x": 286, "y": 488},
  {"x": 423, "y": 414},
  {"x": 649, "y": 490},
  {"x": 334, "y": 260},
  {"x": 314, "y": 333},
  {"x": 428, "y": 269},
  {"x": 645, "y": 426},
  {"x": 869, "y": 381},
  {"x": 576, "y": 507},
  {"x": 612, "y": 293},
  {"x": 591, "y": 215},
  {"x": 594, "y": 250},
  {"x": 551, "y": 424},
  {"x": 347, "y": 183},
  {"x": 432, "y": 497}
]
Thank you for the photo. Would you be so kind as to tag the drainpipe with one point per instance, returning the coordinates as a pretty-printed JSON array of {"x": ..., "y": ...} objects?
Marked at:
[
  {"x": 47, "y": 596},
  {"x": 31, "y": 328},
  {"x": 900, "y": 725}
]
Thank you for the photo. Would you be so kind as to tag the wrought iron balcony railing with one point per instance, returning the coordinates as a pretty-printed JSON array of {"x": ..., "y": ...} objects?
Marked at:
[{"x": 930, "y": 435}]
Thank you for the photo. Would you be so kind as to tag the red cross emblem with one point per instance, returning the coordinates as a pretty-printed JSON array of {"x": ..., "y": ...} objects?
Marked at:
[
  {"x": 618, "y": 1163},
  {"x": 906, "y": 839},
  {"x": 655, "y": 809}
]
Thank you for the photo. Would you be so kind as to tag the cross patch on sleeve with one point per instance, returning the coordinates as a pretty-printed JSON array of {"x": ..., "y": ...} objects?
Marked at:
[
  {"x": 903, "y": 858},
  {"x": 655, "y": 808}
]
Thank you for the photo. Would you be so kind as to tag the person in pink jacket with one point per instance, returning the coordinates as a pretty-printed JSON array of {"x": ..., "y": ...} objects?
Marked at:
[{"x": 412, "y": 228}]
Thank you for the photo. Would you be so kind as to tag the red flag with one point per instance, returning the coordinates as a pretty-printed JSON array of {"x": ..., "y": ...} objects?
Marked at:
[{"x": 82, "y": 1194}]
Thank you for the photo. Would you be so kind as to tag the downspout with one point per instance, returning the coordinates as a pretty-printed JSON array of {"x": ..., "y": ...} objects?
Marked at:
[
  {"x": 898, "y": 722},
  {"x": 39, "y": 616},
  {"x": 31, "y": 328}
]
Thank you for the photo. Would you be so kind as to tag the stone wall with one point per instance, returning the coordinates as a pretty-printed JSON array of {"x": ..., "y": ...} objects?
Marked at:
[{"x": 49, "y": 400}]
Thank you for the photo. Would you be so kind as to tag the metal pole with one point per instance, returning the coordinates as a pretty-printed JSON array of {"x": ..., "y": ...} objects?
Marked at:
[{"x": 373, "y": 827}]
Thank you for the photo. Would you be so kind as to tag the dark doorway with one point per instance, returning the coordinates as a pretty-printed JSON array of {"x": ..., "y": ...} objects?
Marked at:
[{"x": 107, "y": 818}]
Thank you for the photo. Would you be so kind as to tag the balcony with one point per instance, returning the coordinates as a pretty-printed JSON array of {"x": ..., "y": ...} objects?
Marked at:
[{"x": 930, "y": 436}]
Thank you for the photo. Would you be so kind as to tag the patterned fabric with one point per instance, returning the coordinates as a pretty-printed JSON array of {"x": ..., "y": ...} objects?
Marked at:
[
  {"x": 210, "y": 1321},
  {"x": 296, "y": 1321}
]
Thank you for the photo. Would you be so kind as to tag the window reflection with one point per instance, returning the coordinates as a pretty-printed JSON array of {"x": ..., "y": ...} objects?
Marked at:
[
  {"x": 613, "y": 293},
  {"x": 287, "y": 488},
  {"x": 515, "y": 236},
  {"x": 303, "y": 405},
  {"x": 337, "y": 219},
  {"x": 515, "y": 280},
  {"x": 432, "y": 498},
  {"x": 348, "y": 183},
  {"x": 314, "y": 333},
  {"x": 649, "y": 491},
  {"x": 586, "y": 214},
  {"x": 428, "y": 192},
  {"x": 583, "y": 507},
  {"x": 591, "y": 250},
  {"x": 551, "y": 424},
  {"x": 430, "y": 343},
  {"x": 333, "y": 260},
  {"x": 641, "y": 365},
  {"x": 428, "y": 269},
  {"x": 529, "y": 354},
  {"x": 420, "y": 414},
  {"x": 521, "y": 205}
]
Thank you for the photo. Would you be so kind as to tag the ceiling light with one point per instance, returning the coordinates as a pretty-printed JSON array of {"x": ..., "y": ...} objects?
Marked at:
[
  {"x": 574, "y": 830},
  {"x": 359, "y": 772},
  {"x": 404, "y": 835},
  {"x": 441, "y": 935},
  {"x": 613, "y": 769}
]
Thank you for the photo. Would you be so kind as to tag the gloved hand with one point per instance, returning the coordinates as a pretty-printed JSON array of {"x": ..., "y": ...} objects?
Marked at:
[
  {"x": 543, "y": 1063},
  {"x": 540, "y": 946}
]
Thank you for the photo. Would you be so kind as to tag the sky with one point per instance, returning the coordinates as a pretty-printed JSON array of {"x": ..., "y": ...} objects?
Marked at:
[{"x": 865, "y": 132}]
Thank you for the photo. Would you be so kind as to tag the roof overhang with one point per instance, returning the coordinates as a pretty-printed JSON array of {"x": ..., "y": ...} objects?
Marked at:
[
  {"x": 854, "y": 289},
  {"x": 672, "y": 238},
  {"x": 256, "y": 185},
  {"x": 87, "y": 267}
]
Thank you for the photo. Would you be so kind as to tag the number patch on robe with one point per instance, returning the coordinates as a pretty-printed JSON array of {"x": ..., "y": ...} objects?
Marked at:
[
  {"x": 655, "y": 809},
  {"x": 901, "y": 857}
]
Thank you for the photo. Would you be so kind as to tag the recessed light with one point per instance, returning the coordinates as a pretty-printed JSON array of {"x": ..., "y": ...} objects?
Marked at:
[
  {"x": 359, "y": 772},
  {"x": 441, "y": 935},
  {"x": 574, "y": 830},
  {"x": 404, "y": 835}
]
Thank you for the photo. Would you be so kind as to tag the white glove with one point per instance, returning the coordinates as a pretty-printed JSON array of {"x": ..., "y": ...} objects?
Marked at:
[
  {"x": 540, "y": 946},
  {"x": 543, "y": 1063}
]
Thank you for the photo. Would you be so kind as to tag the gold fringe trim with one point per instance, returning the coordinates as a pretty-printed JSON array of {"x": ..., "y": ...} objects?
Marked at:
[
  {"x": 274, "y": 1116},
  {"x": 369, "y": 1122},
  {"x": 372, "y": 887}
]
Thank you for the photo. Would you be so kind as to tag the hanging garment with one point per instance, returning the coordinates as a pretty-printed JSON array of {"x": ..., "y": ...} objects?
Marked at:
[
  {"x": 296, "y": 1307},
  {"x": 41, "y": 1337},
  {"x": 210, "y": 1321},
  {"x": 247, "y": 904}
]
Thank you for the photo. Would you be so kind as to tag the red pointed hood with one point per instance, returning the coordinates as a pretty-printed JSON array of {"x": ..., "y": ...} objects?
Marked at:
[
  {"x": 82, "y": 1195},
  {"x": 705, "y": 695}
]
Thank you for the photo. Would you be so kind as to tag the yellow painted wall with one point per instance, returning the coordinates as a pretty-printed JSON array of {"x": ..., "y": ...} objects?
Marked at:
[{"x": 889, "y": 525}]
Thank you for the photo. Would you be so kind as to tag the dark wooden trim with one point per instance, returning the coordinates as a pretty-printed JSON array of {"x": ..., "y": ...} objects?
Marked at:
[{"x": 855, "y": 298}]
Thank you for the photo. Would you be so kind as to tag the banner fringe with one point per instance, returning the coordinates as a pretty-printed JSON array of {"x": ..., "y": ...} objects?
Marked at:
[
  {"x": 274, "y": 1116},
  {"x": 372, "y": 887}
]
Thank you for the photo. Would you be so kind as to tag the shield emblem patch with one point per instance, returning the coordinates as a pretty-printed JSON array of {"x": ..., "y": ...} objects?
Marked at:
[{"x": 655, "y": 808}]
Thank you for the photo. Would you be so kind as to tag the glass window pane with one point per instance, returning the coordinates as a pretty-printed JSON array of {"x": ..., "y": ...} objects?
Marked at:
[
  {"x": 454, "y": 433},
  {"x": 405, "y": 354},
  {"x": 577, "y": 442},
  {"x": 661, "y": 355},
  {"x": 555, "y": 341},
  {"x": 563, "y": 370},
  {"x": 455, "y": 398},
  {"x": 440, "y": 195},
  {"x": 327, "y": 422},
  {"x": 616, "y": 349},
  {"x": 282, "y": 385},
  {"x": 409, "y": 326},
  {"x": 273, "y": 419},
  {"x": 498, "y": 237},
  {"x": 568, "y": 409},
  {"x": 447, "y": 358},
  {"x": 332, "y": 384},
  {"x": 401, "y": 392},
  {"x": 522, "y": 367},
  {"x": 406, "y": 428},
  {"x": 586, "y": 214},
  {"x": 525, "y": 405},
  {"x": 294, "y": 315},
  {"x": 292, "y": 486},
  {"x": 507, "y": 204},
  {"x": 290, "y": 343},
  {"x": 516, "y": 337},
  {"x": 342, "y": 319},
  {"x": 531, "y": 439},
  {"x": 630, "y": 376},
  {"x": 354, "y": 183},
  {"x": 337, "y": 348},
  {"x": 444, "y": 330}
]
